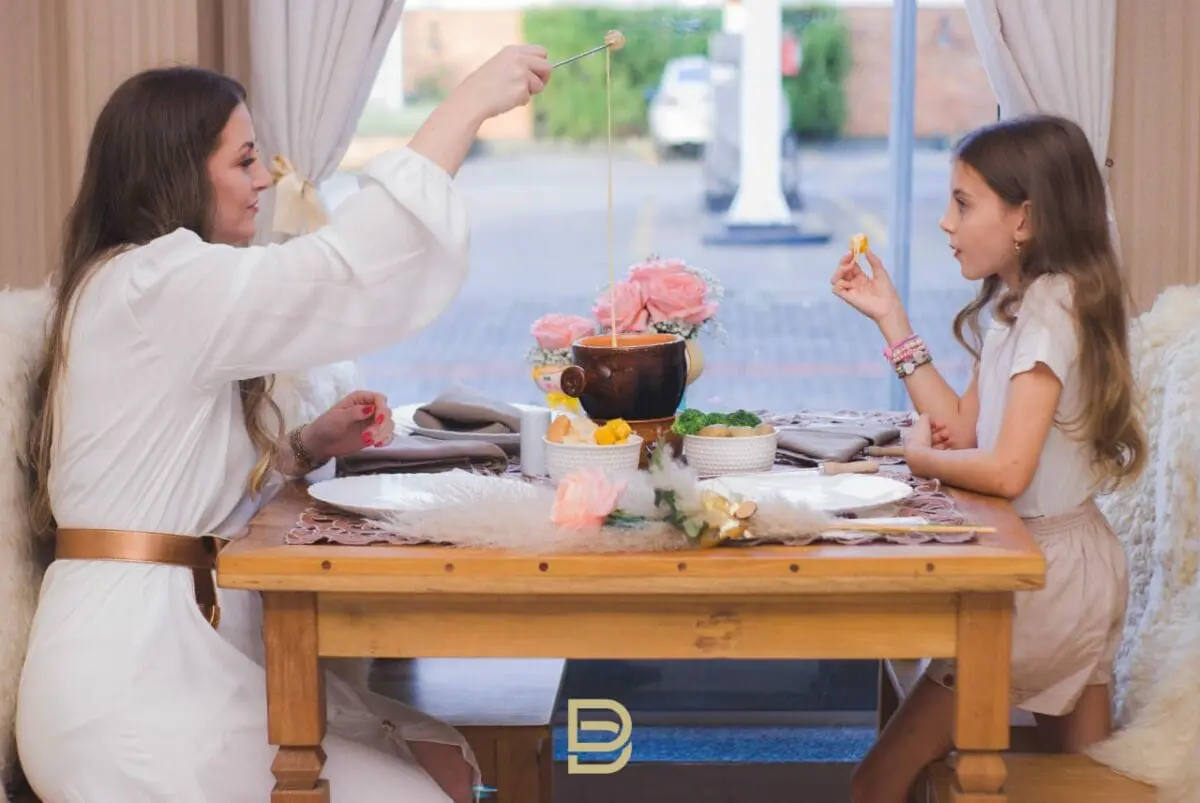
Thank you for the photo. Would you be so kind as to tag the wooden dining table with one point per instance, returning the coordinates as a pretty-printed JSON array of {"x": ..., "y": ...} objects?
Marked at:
[{"x": 823, "y": 601}]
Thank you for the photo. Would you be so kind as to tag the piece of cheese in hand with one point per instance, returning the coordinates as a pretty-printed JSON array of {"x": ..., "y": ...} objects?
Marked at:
[{"x": 858, "y": 244}]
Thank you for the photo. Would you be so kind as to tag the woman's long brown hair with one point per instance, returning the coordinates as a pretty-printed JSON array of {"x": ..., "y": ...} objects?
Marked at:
[
  {"x": 1047, "y": 162},
  {"x": 146, "y": 175}
]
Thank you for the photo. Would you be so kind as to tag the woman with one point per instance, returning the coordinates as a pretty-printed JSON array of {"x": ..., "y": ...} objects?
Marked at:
[{"x": 157, "y": 424}]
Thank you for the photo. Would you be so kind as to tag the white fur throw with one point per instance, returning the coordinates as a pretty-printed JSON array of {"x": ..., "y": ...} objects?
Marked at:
[
  {"x": 22, "y": 322},
  {"x": 1158, "y": 518},
  {"x": 301, "y": 396}
]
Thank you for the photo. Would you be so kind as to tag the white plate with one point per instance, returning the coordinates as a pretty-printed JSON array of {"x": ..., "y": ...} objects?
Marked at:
[
  {"x": 403, "y": 417},
  {"x": 836, "y": 494}
]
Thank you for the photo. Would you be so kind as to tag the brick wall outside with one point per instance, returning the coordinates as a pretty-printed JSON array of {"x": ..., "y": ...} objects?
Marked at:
[
  {"x": 443, "y": 47},
  {"x": 952, "y": 90}
]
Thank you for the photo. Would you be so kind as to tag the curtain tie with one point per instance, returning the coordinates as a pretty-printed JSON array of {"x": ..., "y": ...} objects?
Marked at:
[{"x": 298, "y": 206}]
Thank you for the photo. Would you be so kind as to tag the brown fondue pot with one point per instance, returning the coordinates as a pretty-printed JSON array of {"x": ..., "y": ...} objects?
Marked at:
[{"x": 643, "y": 377}]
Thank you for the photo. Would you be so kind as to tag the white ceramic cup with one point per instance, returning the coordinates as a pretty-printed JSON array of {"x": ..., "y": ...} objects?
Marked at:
[{"x": 534, "y": 426}]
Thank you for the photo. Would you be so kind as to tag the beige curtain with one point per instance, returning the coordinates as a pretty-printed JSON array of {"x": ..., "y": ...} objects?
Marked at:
[
  {"x": 1052, "y": 56},
  {"x": 312, "y": 69},
  {"x": 1155, "y": 144}
]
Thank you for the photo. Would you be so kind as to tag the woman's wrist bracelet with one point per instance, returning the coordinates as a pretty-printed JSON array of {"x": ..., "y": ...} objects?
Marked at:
[{"x": 304, "y": 461}]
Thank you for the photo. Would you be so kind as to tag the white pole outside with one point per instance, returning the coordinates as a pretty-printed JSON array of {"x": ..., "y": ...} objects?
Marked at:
[{"x": 759, "y": 200}]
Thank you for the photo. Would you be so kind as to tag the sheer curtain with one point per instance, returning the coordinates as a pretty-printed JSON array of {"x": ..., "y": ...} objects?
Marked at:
[
  {"x": 313, "y": 63},
  {"x": 1055, "y": 57},
  {"x": 312, "y": 68}
]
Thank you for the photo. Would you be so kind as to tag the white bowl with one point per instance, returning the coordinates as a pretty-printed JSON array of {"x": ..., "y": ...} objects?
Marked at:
[
  {"x": 563, "y": 458},
  {"x": 712, "y": 456}
]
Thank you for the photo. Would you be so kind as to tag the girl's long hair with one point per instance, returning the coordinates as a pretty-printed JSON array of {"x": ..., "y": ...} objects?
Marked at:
[
  {"x": 1047, "y": 162},
  {"x": 146, "y": 175}
]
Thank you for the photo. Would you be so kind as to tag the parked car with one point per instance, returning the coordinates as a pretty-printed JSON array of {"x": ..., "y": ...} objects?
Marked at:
[{"x": 681, "y": 106}]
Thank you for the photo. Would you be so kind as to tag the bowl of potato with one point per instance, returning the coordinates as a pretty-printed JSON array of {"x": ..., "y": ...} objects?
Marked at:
[
  {"x": 575, "y": 442},
  {"x": 727, "y": 443}
]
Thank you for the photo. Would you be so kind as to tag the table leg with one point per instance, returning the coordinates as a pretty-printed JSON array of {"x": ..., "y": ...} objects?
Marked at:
[
  {"x": 982, "y": 701},
  {"x": 295, "y": 697}
]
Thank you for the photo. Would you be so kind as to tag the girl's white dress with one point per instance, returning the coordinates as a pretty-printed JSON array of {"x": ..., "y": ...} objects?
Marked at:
[
  {"x": 1066, "y": 635},
  {"x": 128, "y": 695}
]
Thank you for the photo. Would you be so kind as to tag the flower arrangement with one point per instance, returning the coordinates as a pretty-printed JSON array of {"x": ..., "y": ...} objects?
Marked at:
[
  {"x": 667, "y": 492},
  {"x": 553, "y": 335},
  {"x": 660, "y": 295}
]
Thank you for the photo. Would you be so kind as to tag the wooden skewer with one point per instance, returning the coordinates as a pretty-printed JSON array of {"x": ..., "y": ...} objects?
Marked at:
[
  {"x": 748, "y": 507},
  {"x": 857, "y": 467},
  {"x": 868, "y": 527},
  {"x": 613, "y": 39}
]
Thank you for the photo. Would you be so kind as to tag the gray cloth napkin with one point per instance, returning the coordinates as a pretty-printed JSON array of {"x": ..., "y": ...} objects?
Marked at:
[
  {"x": 874, "y": 434},
  {"x": 810, "y": 447},
  {"x": 463, "y": 409},
  {"x": 414, "y": 453},
  {"x": 839, "y": 443}
]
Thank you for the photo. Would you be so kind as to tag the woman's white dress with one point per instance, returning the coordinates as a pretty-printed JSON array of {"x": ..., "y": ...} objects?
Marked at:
[{"x": 128, "y": 695}]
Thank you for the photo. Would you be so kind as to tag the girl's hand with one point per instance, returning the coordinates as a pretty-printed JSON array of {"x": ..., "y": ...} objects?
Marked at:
[
  {"x": 874, "y": 296},
  {"x": 941, "y": 435},
  {"x": 919, "y": 435},
  {"x": 361, "y": 419}
]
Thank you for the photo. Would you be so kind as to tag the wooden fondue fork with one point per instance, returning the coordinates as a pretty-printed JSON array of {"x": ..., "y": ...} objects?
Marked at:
[{"x": 613, "y": 39}]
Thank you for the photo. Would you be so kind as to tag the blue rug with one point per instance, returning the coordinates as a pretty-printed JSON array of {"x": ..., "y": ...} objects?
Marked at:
[{"x": 733, "y": 745}]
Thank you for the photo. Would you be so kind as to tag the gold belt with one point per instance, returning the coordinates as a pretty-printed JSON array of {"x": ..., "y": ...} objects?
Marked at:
[{"x": 198, "y": 553}]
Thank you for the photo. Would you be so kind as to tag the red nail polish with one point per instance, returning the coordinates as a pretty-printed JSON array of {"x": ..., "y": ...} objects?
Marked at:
[
  {"x": 379, "y": 418},
  {"x": 370, "y": 408},
  {"x": 366, "y": 439}
]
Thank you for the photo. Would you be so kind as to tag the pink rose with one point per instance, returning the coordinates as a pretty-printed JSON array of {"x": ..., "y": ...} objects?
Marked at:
[
  {"x": 631, "y": 312},
  {"x": 558, "y": 331},
  {"x": 584, "y": 500},
  {"x": 653, "y": 268},
  {"x": 674, "y": 293}
]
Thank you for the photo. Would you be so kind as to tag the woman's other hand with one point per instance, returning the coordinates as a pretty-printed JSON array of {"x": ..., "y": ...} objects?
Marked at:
[{"x": 359, "y": 420}]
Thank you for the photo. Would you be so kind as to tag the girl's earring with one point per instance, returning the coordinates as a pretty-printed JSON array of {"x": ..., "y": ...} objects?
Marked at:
[{"x": 1017, "y": 247}]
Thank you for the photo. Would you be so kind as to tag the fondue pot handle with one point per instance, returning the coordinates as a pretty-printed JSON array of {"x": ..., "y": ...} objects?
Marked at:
[
  {"x": 694, "y": 360},
  {"x": 573, "y": 380}
]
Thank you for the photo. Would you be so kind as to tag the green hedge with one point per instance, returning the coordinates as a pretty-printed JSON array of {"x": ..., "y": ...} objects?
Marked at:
[
  {"x": 818, "y": 94},
  {"x": 573, "y": 106}
]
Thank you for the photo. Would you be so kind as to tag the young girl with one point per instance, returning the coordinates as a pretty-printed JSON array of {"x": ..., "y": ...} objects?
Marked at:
[{"x": 1047, "y": 421}]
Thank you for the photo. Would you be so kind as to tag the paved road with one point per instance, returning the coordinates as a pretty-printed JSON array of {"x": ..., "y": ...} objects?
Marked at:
[{"x": 539, "y": 245}]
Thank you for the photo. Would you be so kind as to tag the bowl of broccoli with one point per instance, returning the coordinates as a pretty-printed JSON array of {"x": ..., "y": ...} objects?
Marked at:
[{"x": 726, "y": 443}]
